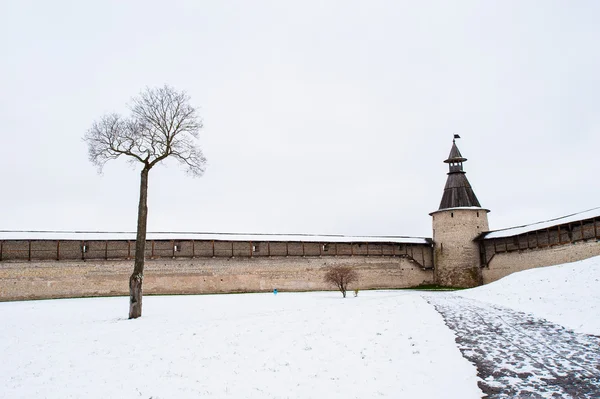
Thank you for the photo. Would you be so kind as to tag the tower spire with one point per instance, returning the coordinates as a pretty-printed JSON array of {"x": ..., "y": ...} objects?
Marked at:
[{"x": 458, "y": 192}]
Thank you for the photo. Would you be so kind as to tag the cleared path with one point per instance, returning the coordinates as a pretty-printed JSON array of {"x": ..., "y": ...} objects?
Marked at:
[{"x": 518, "y": 355}]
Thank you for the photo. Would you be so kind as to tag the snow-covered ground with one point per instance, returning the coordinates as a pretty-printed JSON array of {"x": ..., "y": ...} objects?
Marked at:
[
  {"x": 313, "y": 345},
  {"x": 301, "y": 345},
  {"x": 567, "y": 294}
]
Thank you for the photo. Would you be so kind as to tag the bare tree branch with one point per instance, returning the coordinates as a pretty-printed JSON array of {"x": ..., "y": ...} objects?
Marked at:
[
  {"x": 109, "y": 138},
  {"x": 162, "y": 124}
]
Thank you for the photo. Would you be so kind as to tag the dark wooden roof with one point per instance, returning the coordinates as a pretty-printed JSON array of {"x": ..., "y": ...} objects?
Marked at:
[
  {"x": 458, "y": 192},
  {"x": 455, "y": 155}
]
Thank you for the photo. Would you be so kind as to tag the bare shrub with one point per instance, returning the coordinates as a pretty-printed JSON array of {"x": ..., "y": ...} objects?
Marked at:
[{"x": 340, "y": 277}]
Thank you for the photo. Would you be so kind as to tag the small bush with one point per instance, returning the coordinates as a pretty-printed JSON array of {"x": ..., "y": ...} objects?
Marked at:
[{"x": 341, "y": 276}]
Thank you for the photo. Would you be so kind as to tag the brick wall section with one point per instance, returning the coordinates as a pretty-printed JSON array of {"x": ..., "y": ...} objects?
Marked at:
[
  {"x": 503, "y": 264},
  {"x": 456, "y": 255},
  {"x": 72, "y": 278}
]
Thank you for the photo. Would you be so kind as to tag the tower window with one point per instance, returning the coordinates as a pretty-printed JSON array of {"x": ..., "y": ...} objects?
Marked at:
[
  {"x": 325, "y": 247},
  {"x": 477, "y": 214},
  {"x": 255, "y": 248},
  {"x": 451, "y": 214}
]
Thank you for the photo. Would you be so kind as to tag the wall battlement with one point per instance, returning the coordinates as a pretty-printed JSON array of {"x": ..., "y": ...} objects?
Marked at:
[{"x": 30, "y": 250}]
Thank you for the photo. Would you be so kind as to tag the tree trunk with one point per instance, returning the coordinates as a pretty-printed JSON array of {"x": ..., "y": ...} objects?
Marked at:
[{"x": 136, "y": 279}]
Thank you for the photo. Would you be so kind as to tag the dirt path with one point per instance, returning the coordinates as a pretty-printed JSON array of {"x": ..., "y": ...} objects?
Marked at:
[{"x": 518, "y": 355}]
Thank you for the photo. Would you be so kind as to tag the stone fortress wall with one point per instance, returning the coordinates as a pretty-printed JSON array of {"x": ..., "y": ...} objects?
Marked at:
[
  {"x": 507, "y": 263},
  {"x": 543, "y": 244},
  {"x": 36, "y": 269}
]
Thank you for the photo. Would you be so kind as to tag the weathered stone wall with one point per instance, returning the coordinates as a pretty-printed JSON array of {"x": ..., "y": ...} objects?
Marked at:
[
  {"x": 503, "y": 264},
  {"x": 456, "y": 255},
  {"x": 21, "y": 279},
  {"x": 562, "y": 234}
]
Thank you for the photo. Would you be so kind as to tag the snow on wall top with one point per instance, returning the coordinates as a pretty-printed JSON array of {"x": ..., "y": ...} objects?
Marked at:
[
  {"x": 513, "y": 231},
  {"x": 107, "y": 235}
]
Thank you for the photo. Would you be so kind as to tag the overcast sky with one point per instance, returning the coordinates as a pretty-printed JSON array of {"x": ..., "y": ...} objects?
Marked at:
[{"x": 320, "y": 116}]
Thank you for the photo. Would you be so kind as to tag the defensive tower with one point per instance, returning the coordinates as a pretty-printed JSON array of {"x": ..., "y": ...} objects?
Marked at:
[{"x": 459, "y": 219}]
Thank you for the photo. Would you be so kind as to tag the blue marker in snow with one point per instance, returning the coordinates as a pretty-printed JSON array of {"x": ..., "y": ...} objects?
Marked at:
[{"x": 275, "y": 291}]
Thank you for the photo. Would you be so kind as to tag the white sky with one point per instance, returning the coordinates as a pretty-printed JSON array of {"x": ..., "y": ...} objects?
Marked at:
[{"x": 320, "y": 116}]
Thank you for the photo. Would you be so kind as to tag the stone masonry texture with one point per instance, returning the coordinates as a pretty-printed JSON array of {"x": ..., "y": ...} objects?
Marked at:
[
  {"x": 503, "y": 264},
  {"x": 456, "y": 255},
  {"x": 96, "y": 277}
]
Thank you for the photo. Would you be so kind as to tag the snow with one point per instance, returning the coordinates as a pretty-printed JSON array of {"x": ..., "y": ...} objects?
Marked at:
[
  {"x": 290, "y": 345},
  {"x": 513, "y": 231},
  {"x": 567, "y": 294},
  {"x": 314, "y": 345},
  {"x": 107, "y": 235}
]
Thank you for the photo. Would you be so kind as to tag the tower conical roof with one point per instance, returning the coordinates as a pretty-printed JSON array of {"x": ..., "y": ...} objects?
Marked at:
[
  {"x": 458, "y": 192},
  {"x": 455, "y": 155}
]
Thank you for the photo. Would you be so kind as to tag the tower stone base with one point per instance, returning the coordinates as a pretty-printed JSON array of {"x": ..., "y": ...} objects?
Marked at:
[{"x": 456, "y": 255}]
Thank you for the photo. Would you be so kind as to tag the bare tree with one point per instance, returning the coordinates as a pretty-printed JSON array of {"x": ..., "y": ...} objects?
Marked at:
[
  {"x": 341, "y": 276},
  {"x": 162, "y": 125}
]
